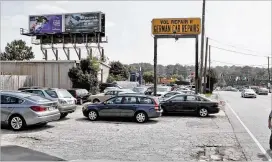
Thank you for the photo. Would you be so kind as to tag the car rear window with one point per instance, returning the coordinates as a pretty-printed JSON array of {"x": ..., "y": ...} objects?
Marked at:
[
  {"x": 37, "y": 98},
  {"x": 63, "y": 93},
  {"x": 51, "y": 93},
  {"x": 145, "y": 100}
]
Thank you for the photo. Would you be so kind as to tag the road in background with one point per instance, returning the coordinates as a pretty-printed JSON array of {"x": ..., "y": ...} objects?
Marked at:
[{"x": 253, "y": 112}]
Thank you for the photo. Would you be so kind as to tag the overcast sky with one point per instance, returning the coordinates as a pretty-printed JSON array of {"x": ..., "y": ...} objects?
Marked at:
[{"x": 245, "y": 24}]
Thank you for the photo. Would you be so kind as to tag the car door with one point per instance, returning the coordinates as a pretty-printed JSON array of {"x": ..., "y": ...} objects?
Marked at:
[
  {"x": 191, "y": 103},
  {"x": 8, "y": 104},
  {"x": 128, "y": 106},
  {"x": 111, "y": 107},
  {"x": 178, "y": 103}
]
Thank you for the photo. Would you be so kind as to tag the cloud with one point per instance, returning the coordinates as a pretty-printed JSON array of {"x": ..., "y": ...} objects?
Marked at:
[
  {"x": 45, "y": 8},
  {"x": 110, "y": 24}
]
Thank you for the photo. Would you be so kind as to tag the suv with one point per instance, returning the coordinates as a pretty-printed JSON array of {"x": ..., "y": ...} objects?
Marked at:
[
  {"x": 66, "y": 102},
  {"x": 103, "y": 86},
  {"x": 81, "y": 95}
]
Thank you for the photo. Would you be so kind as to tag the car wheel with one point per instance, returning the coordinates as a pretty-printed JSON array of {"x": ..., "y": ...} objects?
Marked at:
[
  {"x": 17, "y": 122},
  {"x": 141, "y": 117},
  {"x": 80, "y": 102},
  {"x": 203, "y": 112},
  {"x": 92, "y": 115},
  {"x": 63, "y": 115},
  {"x": 96, "y": 101}
]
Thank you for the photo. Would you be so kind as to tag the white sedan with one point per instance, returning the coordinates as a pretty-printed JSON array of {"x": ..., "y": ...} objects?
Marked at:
[{"x": 248, "y": 93}]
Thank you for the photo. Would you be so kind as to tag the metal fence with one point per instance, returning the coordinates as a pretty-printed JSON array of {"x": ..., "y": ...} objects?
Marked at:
[{"x": 13, "y": 82}]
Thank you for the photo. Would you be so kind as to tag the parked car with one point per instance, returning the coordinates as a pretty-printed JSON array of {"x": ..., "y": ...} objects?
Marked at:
[
  {"x": 110, "y": 88},
  {"x": 104, "y": 96},
  {"x": 81, "y": 95},
  {"x": 139, "y": 107},
  {"x": 19, "y": 109},
  {"x": 140, "y": 89},
  {"x": 261, "y": 91},
  {"x": 33, "y": 87},
  {"x": 248, "y": 93},
  {"x": 161, "y": 90},
  {"x": 185, "y": 103},
  {"x": 103, "y": 86},
  {"x": 66, "y": 102}
]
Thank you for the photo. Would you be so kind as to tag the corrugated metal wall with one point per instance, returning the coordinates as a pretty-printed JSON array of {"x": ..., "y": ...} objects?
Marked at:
[
  {"x": 44, "y": 73},
  {"x": 13, "y": 82}
]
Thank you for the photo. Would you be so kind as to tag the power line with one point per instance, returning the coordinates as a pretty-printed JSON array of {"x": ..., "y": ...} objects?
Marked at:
[
  {"x": 234, "y": 46},
  {"x": 242, "y": 53},
  {"x": 264, "y": 65}
]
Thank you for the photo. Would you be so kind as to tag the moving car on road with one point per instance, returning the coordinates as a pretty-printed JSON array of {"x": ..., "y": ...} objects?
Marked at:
[
  {"x": 139, "y": 107},
  {"x": 248, "y": 93},
  {"x": 186, "y": 103},
  {"x": 19, "y": 109},
  {"x": 66, "y": 102},
  {"x": 81, "y": 95},
  {"x": 261, "y": 91}
]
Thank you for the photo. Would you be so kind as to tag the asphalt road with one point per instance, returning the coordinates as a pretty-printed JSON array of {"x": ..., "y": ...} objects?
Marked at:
[{"x": 253, "y": 114}]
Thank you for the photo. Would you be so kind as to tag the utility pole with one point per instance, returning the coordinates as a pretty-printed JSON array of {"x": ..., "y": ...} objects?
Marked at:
[
  {"x": 205, "y": 65},
  {"x": 268, "y": 69},
  {"x": 202, "y": 45},
  {"x": 209, "y": 67}
]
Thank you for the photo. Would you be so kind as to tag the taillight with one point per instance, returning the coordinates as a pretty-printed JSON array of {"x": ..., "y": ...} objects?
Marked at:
[
  {"x": 156, "y": 104},
  {"x": 38, "y": 108}
]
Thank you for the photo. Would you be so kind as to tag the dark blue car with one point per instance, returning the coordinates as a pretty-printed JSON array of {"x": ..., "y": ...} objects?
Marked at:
[{"x": 139, "y": 107}]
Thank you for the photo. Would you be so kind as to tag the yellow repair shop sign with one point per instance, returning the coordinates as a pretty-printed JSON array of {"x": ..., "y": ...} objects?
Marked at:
[{"x": 181, "y": 26}]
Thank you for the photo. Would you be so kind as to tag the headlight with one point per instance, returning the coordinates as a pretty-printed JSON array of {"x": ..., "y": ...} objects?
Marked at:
[{"x": 61, "y": 101}]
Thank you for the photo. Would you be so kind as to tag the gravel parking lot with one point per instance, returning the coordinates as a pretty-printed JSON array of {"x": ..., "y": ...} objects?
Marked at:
[{"x": 167, "y": 138}]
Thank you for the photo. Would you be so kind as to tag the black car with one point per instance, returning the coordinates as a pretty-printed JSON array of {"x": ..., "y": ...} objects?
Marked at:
[
  {"x": 103, "y": 86},
  {"x": 81, "y": 95},
  {"x": 187, "y": 103}
]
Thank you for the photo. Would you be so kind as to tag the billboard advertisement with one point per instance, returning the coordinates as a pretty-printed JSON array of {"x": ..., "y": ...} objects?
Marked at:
[
  {"x": 45, "y": 24},
  {"x": 172, "y": 26},
  {"x": 82, "y": 22}
]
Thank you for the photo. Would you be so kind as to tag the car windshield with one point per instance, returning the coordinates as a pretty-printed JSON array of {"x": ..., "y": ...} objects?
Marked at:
[
  {"x": 63, "y": 93},
  {"x": 37, "y": 98},
  {"x": 52, "y": 93}
]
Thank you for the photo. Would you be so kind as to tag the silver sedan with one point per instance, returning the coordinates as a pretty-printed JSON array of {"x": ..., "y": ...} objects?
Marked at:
[{"x": 19, "y": 109}]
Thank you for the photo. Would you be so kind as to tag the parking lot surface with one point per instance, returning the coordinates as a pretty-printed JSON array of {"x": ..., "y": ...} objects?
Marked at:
[{"x": 169, "y": 138}]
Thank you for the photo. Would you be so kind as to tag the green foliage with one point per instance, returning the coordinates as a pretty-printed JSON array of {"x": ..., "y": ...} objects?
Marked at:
[
  {"x": 17, "y": 50},
  {"x": 85, "y": 75},
  {"x": 178, "y": 77},
  {"x": 118, "y": 71},
  {"x": 148, "y": 76}
]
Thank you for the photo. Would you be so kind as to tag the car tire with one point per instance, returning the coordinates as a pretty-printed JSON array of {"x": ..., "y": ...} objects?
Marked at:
[
  {"x": 63, "y": 115},
  {"x": 141, "y": 117},
  {"x": 17, "y": 122},
  {"x": 80, "y": 102},
  {"x": 96, "y": 101},
  {"x": 92, "y": 115},
  {"x": 203, "y": 112}
]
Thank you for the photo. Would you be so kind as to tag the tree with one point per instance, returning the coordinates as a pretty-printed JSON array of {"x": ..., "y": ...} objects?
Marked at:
[
  {"x": 118, "y": 71},
  {"x": 17, "y": 50},
  {"x": 85, "y": 75},
  {"x": 148, "y": 76},
  {"x": 212, "y": 78}
]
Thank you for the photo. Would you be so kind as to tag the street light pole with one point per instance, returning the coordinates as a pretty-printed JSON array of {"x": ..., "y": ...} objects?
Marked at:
[{"x": 202, "y": 45}]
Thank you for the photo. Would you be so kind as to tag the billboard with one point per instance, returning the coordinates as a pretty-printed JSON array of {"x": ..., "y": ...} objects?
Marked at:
[
  {"x": 180, "y": 26},
  {"x": 82, "y": 22},
  {"x": 45, "y": 24}
]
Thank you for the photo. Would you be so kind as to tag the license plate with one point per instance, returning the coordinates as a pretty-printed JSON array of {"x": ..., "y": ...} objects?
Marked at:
[{"x": 51, "y": 108}]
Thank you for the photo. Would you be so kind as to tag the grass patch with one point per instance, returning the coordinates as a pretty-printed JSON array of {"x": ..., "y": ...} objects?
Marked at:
[{"x": 208, "y": 94}]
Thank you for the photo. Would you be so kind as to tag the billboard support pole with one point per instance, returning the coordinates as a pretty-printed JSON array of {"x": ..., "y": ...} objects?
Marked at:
[
  {"x": 78, "y": 51},
  {"x": 55, "y": 50},
  {"x": 66, "y": 50},
  {"x": 44, "y": 51}
]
